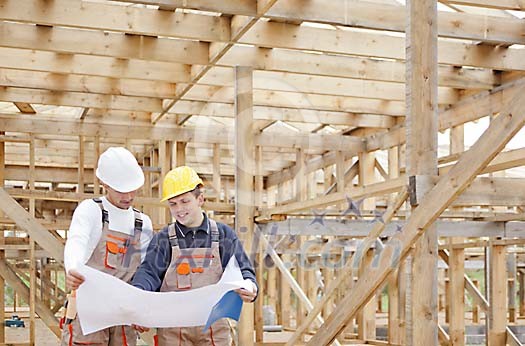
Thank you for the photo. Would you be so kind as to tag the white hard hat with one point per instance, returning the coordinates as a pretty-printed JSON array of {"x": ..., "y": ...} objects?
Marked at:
[{"x": 119, "y": 169}]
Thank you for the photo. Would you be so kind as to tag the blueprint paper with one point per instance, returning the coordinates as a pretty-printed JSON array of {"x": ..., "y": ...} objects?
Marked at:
[
  {"x": 104, "y": 301},
  {"x": 230, "y": 306}
]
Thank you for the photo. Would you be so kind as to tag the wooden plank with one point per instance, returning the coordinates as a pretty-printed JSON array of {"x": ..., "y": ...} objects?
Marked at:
[
  {"x": 499, "y": 4},
  {"x": 269, "y": 112},
  {"x": 394, "y": 17},
  {"x": 285, "y": 81},
  {"x": 371, "y": 90},
  {"x": 131, "y": 20},
  {"x": 32, "y": 293},
  {"x": 364, "y": 14},
  {"x": 498, "y": 300},
  {"x": 305, "y": 62},
  {"x": 79, "y": 99},
  {"x": 244, "y": 184},
  {"x": 501, "y": 130},
  {"x": 243, "y": 7},
  {"x": 40, "y": 125},
  {"x": 98, "y": 43},
  {"x": 457, "y": 294},
  {"x": 101, "y": 66},
  {"x": 91, "y": 84},
  {"x": 271, "y": 34}
]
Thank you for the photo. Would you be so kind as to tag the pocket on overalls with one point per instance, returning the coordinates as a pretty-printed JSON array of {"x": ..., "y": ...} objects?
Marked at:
[
  {"x": 183, "y": 271},
  {"x": 112, "y": 258}
]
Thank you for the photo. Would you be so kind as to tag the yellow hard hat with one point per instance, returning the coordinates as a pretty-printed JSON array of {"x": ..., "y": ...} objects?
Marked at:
[{"x": 178, "y": 181}]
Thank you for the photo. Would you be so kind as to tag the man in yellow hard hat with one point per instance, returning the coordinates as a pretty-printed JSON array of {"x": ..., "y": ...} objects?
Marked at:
[
  {"x": 107, "y": 234},
  {"x": 190, "y": 253}
]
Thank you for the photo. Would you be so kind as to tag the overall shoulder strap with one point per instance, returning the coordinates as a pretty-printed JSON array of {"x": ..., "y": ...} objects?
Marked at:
[
  {"x": 172, "y": 234},
  {"x": 214, "y": 231},
  {"x": 105, "y": 215}
]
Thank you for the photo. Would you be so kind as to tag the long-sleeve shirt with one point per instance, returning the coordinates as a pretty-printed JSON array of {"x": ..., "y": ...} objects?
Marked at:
[
  {"x": 151, "y": 272},
  {"x": 86, "y": 229}
]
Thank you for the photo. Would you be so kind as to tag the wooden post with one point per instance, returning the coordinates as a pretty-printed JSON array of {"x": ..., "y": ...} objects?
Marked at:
[
  {"x": 259, "y": 186},
  {"x": 498, "y": 296},
  {"x": 165, "y": 157},
  {"x": 366, "y": 322},
  {"x": 446, "y": 298},
  {"x": 81, "y": 162},
  {"x": 300, "y": 188},
  {"x": 521, "y": 292},
  {"x": 217, "y": 171},
  {"x": 146, "y": 189},
  {"x": 422, "y": 106},
  {"x": 244, "y": 176},
  {"x": 366, "y": 327},
  {"x": 32, "y": 259},
  {"x": 396, "y": 281},
  {"x": 286, "y": 298},
  {"x": 511, "y": 270},
  {"x": 180, "y": 159},
  {"x": 96, "y": 183},
  {"x": 456, "y": 302},
  {"x": 2, "y": 252},
  {"x": 394, "y": 324}
]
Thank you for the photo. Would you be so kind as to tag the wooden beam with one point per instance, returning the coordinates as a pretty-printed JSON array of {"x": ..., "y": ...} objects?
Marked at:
[
  {"x": 498, "y": 296},
  {"x": 131, "y": 20},
  {"x": 79, "y": 99},
  {"x": 22, "y": 123},
  {"x": 101, "y": 66},
  {"x": 316, "y": 98},
  {"x": 219, "y": 109},
  {"x": 305, "y": 62},
  {"x": 99, "y": 43},
  {"x": 364, "y": 14},
  {"x": 303, "y": 83},
  {"x": 501, "y": 130},
  {"x": 499, "y": 4},
  {"x": 82, "y": 83},
  {"x": 271, "y": 34}
]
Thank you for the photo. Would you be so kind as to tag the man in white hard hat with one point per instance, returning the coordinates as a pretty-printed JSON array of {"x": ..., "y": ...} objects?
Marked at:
[{"x": 108, "y": 234}]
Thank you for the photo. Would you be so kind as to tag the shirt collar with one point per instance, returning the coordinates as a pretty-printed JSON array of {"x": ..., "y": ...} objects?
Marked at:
[{"x": 204, "y": 227}]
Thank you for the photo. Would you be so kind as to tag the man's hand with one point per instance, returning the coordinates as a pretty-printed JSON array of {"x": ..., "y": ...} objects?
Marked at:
[
  {"x": 247, "y": 295},
  {"x": 74, "y": 279},
  {"x": 140, "y": 329}
]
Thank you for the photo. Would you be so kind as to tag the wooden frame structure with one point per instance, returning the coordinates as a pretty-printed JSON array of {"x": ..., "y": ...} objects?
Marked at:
[{"x": 315, "y": 126}]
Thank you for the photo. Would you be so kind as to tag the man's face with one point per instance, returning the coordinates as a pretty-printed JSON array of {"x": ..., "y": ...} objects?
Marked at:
[
  {"x": 186, "y": 209},
  {"x": 122, "y": 200}
]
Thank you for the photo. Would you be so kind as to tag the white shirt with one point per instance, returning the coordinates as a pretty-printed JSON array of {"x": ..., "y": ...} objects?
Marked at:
[{"x": 86, "y": 229}]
